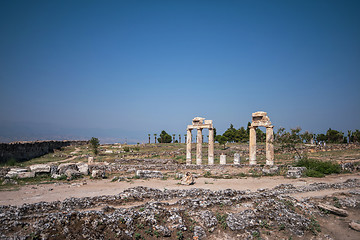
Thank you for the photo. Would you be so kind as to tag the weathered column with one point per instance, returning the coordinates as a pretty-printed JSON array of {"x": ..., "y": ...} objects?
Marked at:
[
  {"x": 211, "y": 147},
  {"x": 199, "y": 147},
  {"x": 188, "y": 147},
  {"x": 252, "y": 146},
  {"x": 270, "y": 145},
  {"x": 236, "y": 158},
  {"x": 222, "y": 159}
]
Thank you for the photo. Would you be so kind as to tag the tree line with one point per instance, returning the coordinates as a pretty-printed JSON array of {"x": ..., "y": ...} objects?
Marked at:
[{"x": 241, "y": 135}]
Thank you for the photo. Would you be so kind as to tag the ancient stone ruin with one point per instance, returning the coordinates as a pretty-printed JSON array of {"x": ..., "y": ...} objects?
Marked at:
[
  {"x": 260, "y": 119},
  {"x": 199, "y": 124}
]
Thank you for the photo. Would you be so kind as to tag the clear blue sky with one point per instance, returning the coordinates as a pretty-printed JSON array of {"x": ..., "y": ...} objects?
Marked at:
[{"x": 123, "y": 69}]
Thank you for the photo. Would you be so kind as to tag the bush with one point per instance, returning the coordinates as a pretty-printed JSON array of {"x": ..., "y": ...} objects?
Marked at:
[
  {"x": 316, "y": 168},
  {"x": 313, "y": 173}
]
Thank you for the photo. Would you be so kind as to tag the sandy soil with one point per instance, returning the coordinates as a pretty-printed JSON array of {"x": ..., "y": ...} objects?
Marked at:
[{"x": 90, "y": 188}]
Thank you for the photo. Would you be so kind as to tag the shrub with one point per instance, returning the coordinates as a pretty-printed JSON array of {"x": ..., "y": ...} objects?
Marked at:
[
  {"x": 314, "y": 173},
  {"x": 316, "y": 168}
]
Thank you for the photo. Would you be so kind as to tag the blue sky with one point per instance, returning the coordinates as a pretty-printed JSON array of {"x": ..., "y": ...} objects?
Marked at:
[{"x": 123, "y": 69}]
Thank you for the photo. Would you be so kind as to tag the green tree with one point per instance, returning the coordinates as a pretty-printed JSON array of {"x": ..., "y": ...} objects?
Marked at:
[
  {"x": 230, "y": 134},
  {"x": 155, "y": 136},
  {"x": 289, "y": 140},
  {"x": 149, "y": 137},
  {"x": 94, "y": 143},
  {"x": 222, "y": 140},
  {"x": 164, "y": 137},
  {"x": 334, "y": 136},
  {"x": 306, "y": 137},
  {"x": 321, "y": 137},
  {"x": 242, "y": 134},
  {"x": 356, "y": 136}
]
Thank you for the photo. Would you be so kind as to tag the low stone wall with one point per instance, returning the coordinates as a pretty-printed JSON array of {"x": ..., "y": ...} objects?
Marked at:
[{"x": 22, "y": 151}]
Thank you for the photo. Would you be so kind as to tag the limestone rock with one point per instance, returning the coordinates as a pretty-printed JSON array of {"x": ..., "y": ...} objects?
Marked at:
[
  {"x": 71, "y": 173},
  {"x": 40, "y": 168},
  {"x": 55, "y": 176},
  {"x": 188, "y": 179},
  {"x": 26, "y": 174},
  {"x": 65, "y": 166},
  {"x": 355, "y": 226},
  {"x": 295, "y": 172},
  {"x": 83, "y": 168},
  {"x": 14, "y": 172},
  {"x": 90, "y": 160},
  {"x": 272, "y": 170},
  {"x": 98, "y": 174},
  {"x": 334, "y": 210},
  {"x": 149, "y": 174}
]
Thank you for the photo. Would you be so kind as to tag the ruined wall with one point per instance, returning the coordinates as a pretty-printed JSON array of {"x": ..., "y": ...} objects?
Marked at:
[{"x": 22, "y": 151}]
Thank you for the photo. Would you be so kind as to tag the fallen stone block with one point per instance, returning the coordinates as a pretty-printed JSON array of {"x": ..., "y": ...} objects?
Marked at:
[
  {"x": 83, "y": 168},
  {"x": 334, "y": 210},
  {"x": 14, "y": 172},
  {"x": 149, "y": 174},
  {"x": 295, "y": 172},
  {"x": 65, "y": 166},
  {"x": 98, "y": 174},
  {"x": 272, "y": 170},
  {"x": 26, "y": 174},
  {"x": 71, "y": 174},
  {"x": 40, "y": 168}
]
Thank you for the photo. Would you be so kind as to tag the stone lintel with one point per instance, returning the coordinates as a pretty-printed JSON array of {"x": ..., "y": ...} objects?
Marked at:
[{"x": 200, "y": 126}]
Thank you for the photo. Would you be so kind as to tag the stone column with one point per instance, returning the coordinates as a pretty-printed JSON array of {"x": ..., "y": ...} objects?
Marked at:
[
  {"x": 252, "y": 146},
  {"x": 199, "y": 147},
  {"x": 270, "y": 145},
  {"x": 237, "y": 158},
  {"x": 188, "y": 147},
  {"x": 211, "y": 147},
  {"x": 222, "y": 159}
]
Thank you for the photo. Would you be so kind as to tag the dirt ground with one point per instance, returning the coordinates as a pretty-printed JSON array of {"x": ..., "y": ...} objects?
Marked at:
[{"x": 90, "y": 188}]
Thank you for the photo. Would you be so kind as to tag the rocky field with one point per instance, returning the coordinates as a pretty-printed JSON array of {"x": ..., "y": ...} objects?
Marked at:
[{"x": 150, "y": 213}]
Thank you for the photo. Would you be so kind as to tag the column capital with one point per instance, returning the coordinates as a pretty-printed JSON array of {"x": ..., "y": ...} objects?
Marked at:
[{"x": 270, "y": 126}]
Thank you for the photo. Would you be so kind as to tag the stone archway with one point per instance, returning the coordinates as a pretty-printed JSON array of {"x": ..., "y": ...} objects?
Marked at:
[
  {"x": 199, "y": 124},
  {"x": 260, "y": 119}
]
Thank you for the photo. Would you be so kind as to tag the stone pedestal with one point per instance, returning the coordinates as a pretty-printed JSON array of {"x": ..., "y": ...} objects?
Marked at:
[
  {"x": 188, "y": 147},
  {"x": 237, "y": 158},
  {"x": 269, "y": 146},
  {"x": 199, "y": 147},
  {"x": 222, "y": 159},
  {"x": 252, "y": 146},
  {"x": 211, "y": 147}
]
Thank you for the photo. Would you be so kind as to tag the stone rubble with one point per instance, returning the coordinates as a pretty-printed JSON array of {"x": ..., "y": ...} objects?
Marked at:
[{"x": 196, "y": 213}]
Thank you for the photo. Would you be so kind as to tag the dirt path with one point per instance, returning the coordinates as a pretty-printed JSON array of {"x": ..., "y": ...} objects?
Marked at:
[
  {"x": 90, "y": 188},
  {"x": 70, "y": 158}
]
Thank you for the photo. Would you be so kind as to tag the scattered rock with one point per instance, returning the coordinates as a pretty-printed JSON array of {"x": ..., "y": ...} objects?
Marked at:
[{"x": 9, "y": 181}]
